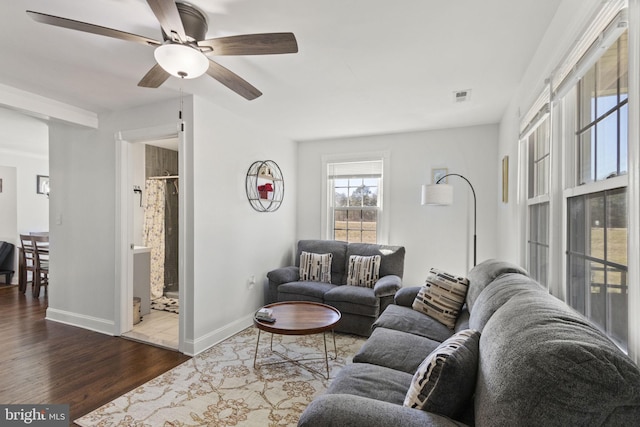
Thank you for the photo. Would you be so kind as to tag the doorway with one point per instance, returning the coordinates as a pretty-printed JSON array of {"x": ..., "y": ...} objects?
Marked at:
[{"x": 150, "y": 235}]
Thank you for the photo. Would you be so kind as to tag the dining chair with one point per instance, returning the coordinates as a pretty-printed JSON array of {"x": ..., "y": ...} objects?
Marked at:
[
  {"x": 41, "y": 246},
  {"x": 27, "y": 263}
]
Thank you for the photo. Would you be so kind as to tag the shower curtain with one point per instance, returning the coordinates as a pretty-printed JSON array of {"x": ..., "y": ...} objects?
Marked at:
[{"x": 154, "y": 232}]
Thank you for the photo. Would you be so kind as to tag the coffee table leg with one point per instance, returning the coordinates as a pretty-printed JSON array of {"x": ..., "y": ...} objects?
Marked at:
[
  {"x": 326, "y": 355},
  {"x": 256, "y": 352}
]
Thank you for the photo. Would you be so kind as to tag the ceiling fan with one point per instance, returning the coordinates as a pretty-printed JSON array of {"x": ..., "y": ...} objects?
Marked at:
[{"x": 182, "y": 53}]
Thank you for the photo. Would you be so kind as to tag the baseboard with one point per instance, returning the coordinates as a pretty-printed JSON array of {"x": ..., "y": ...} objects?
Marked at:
[
  {"x": 191, "y": 348},
  {"x": 103, "y": 326}
]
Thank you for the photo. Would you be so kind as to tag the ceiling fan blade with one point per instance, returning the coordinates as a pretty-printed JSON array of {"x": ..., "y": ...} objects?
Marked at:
[
  {"x": 252, "y": 44},
  {"x": 232, "y": 81},
  {"x": 90, "y": 28},
  {"x": 155, "y": 77},
  {"x": 167, "y": 14}
]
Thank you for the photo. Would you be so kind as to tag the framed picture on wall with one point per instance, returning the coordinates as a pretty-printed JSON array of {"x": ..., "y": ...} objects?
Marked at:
[
  {"x": 42, "y": 184},
  {"x": 0, "y": 185}
]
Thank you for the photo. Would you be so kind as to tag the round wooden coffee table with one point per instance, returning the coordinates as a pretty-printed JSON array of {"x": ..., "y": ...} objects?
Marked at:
[{"x": 299, "y": 318}]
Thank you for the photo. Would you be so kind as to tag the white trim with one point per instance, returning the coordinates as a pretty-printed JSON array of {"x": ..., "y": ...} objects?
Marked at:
[
  {"x": 633, "y": 189},
  {"x": 544, "y": 198},
  {"x": 204, "y": 342},
  {"x": 536, "y": 113},
  {"x": 599, "y": 29},
  {"x": 104, "y": 326},
  {"x": 383, "y": 223},
  {"x": 598, "y": 186},
  {"x": 124, "y": 208},
  {"x": 46, "y": 108}
]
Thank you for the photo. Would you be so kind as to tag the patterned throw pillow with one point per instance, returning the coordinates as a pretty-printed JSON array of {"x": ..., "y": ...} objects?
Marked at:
[
  {"x": 315, "y": 267},
  {"x": 442, "y": 297},
  {"x": 446, "y": 379},
  {"x": 363, "y": 270}
]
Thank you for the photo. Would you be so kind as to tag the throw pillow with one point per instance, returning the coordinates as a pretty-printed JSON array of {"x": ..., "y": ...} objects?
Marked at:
[
  {"x": 442, "y": 297},
  {"x": 363, "y": 270},
  {"x": 315, "y": 267},
  {"x": 446, "y": 379}
]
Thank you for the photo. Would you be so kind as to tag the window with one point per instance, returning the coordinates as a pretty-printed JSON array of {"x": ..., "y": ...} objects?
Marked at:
[
  {"x": 597, "y": 259},
  {"x": 602, "y": 116},
  {"x": 597, "y": 206},
  {"x": 354, "y": 201},
  {"x": 538, "y": 149},
  {"x": 539, "y": 242},
  {"x": 538, "y": 154}
]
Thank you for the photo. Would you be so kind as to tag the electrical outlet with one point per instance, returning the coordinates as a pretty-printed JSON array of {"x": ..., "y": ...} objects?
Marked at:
[{"x": 251, "y": 283}]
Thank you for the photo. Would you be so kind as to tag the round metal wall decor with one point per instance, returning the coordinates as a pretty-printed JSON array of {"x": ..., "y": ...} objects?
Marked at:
[{"x": 265, "y": 186}]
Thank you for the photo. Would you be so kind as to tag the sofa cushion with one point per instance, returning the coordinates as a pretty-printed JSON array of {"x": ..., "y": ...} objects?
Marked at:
[
  {"x": 408, "y": 320},
  {"x": 395, "y": 349},
  {"x": 304, "y": 291},
  {"x": 541, "y": 361},
  {"x": 353, "y": 299},
  {"x": 486, "y": 272},
  {"x": 442, "y": 297},
  {"x": 363, "y": 270},
  {"x": 315, "y": 267},
  {"x": 336, "y": 248},
  {"x": 391, "y": 257},
  {"x": 371, "y": 381},
  {"x": 497, "y": 293},
  {"x": 445, "y": 381}
]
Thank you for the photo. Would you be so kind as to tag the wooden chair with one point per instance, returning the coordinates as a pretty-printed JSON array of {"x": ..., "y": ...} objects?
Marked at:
[
  {"x": 34, "y": 259},
  {"x": 27, "y": 262},
  {"x": 41, "y": 245}
]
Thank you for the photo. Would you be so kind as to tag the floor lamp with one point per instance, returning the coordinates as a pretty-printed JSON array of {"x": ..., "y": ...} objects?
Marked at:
[{"x": 442, "y": 195}]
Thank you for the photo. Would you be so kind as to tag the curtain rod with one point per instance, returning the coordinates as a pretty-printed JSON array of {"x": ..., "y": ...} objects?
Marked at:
[{"x": 165, "y": 177}]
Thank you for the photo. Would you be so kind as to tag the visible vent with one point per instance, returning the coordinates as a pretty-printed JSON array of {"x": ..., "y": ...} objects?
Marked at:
[{"x": 461, "y": 95}]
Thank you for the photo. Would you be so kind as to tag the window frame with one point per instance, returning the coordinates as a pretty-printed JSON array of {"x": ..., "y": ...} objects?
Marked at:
[
  {"x": 568, "y": 107},
  {"x": 326, "y": 230}
]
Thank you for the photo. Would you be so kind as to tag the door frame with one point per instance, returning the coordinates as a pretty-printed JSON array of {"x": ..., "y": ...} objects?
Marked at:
[{"x": 124, "y": 225}]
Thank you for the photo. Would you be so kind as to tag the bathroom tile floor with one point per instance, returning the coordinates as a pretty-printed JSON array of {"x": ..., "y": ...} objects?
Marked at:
[{"x": 158, "y": 328}]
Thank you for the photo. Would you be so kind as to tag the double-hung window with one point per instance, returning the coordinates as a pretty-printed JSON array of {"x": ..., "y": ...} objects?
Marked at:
[
  {"x": 597, "y": 204},
  {"x": 537, "y": 143},
  {"x": 355, "y": 201}
]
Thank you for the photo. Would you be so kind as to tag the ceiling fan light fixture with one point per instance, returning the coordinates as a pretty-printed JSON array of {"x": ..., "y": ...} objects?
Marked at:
[{"x": 181, "y": 61}]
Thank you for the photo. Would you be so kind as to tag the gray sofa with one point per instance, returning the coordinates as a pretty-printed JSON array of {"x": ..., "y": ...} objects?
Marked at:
[
  {"x": 360, "y": 306},
  {"x": 540, "y": 363}
]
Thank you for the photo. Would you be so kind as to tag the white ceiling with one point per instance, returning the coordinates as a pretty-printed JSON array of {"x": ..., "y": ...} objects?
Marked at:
[{"x": 364, "y": 66}]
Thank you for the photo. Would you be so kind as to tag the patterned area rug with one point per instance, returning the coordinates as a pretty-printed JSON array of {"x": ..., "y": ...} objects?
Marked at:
[
  {"x": 166, "y": 304},
  {"x": 220, "y": 387}
]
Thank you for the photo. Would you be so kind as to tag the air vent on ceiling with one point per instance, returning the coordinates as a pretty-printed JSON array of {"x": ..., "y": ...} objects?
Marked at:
[{"x": 461, "y": 95}]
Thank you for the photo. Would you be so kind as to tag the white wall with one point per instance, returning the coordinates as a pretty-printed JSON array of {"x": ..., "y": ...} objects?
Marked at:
[
  {"x": 570, "y": 19},
  {"x": 24, "y": 149},
  {"x": 231, "y": 241},
  {"x": 433, "y": 236},
  {"x": 226, "y": 240}
]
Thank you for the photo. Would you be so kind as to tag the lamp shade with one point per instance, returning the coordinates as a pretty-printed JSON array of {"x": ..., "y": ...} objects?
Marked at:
[
  {"x": 181, "y": 61},
  {"x": 437, "y": 194}
]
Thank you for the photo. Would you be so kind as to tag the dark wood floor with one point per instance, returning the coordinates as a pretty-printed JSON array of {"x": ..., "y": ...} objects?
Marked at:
[{"x": 44, "y": 362}]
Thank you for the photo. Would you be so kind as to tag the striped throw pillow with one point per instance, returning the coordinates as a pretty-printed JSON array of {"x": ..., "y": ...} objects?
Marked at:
[
  {"x": 363, "y": 270},
  {"x": 442, "y": 297},
  {"x": 445, "y": 381},
  {"x": 315, "y": 267}
]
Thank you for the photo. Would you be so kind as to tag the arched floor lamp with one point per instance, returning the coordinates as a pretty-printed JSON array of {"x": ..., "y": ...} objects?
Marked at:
[{"x": 442, "y": 195}]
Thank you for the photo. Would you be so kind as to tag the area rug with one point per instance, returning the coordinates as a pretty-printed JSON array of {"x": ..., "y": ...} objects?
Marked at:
[
  {"x": 166, "y": 304},
  {"x": 221, "y": 387}
]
